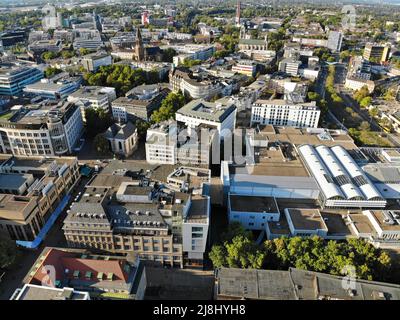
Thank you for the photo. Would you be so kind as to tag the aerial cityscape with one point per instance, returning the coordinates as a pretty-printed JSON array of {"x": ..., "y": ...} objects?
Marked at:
[{"x": 199, "y": 150}]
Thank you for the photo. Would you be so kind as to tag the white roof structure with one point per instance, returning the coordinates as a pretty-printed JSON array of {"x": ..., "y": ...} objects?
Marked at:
[
  {"x": 337, "y": 174},
  {"x": 356, "y": 173},
  {"x": 349, "y": 190}
]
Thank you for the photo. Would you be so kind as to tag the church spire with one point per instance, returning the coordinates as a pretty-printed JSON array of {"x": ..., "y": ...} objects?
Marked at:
[
  {"x": 237, "y": 20},
  {"x": 139, "y": 49}
]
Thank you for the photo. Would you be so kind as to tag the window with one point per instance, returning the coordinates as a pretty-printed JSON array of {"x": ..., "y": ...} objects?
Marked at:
[{"x": 197, "y": 235}]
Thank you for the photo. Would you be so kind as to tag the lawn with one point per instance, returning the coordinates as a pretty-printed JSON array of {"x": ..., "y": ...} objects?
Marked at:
[{"x": 6, "y": 116}]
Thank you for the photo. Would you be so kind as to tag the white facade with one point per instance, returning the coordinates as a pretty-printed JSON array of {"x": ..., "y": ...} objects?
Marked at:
[
  {"x": 280, "y": 112},
  {"x": 252, "y": 219},
  {"x": 93, "y": 97},
  {"x": 309, "y": 73},
  {"x": 93, "y": 62},
  {"x": 54, "y": 136},
  {"x": 335, "y": 40},
  {"x": 290, "y": 66},
  {"x": 356, "y": 84},
  {"x": 200, "y": 112},
  {"x": 200, "y": 90},
  {"x": 246, "y": 67},
  {"x": 195, "y": 231}
]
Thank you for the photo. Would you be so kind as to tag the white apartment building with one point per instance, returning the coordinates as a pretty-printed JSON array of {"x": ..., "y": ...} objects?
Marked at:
[
  {"x": 192, "y": 52},
  {"x": 285, "y": 113},
  {"x": 93, "y": 97},
  {"x": 246, "y": 67},
  {"x": 167, "y": 144},
  {"x": 214, "y": 115},
  {"x": 46, "y": 129},
  {"x": 161, "y": 144},
  {"x": 195, "y": 228},
  {"x": 93, "y": 61},
  {"x": 290, "y": 66},
  {"x": 356, "y": 84}
]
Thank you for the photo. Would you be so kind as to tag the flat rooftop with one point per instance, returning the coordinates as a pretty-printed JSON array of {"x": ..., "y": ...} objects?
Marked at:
[
  {"x": 307, "y": 219},
  {"x": 109, "y": 180},
  {"x": 13, "y": 207},
  {"x": 198, "y": 211},
  {"x": 13, "y": 181},
  {"x": 299, "y": 136},
  {"x": 34, "y": 292},
  {"x": 136, "y": 215},
  {"x": 279, "y": 228},
  {"x": 206, "y": 110},
  {"x": 379, "y": 216},
  {"x": 362, "y": 223},
  {"x": 392, "y": 152},
  {"x": 297, "y": 284},
  {"x": 336, "y": 224},
  {"x": 253, "y": 204}
]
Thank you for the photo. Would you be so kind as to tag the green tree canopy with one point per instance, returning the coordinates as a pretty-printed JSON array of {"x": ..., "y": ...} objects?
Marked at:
[
  {"x": 8, "y": 252},
  {"x": 101, "y": 144},
  {"x": 97, "y": 121},
  {"x": 311, "y": 253},
  {"x": 51, "y": 71},
  {"x": 172, "y": 103},
  {"x": 121, "y": 77},
  {"x": 48, "y": 55}
]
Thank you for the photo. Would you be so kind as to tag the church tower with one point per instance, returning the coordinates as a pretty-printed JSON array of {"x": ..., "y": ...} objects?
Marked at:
[
  {"x": 139, "y": 49},
  {"x": 237, "y": 19}
]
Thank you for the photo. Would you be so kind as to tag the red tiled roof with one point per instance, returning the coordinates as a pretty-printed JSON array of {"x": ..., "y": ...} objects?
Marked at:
[{"x": 62, "y": 260}]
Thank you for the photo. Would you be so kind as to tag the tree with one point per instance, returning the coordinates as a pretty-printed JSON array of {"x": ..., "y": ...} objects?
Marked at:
[
  {"x": 221, "y": 54},
  {"x": 84, "y": 51},
  {"x": 8, "y": 253},
  {"x": 373, "y": 112},
  {"x": 48, "y": 55},
  {"x": 313, "y": 96},
  {"x": 365, "y": 102},
  {"x": 172, "y": 103},
  {"x": 217, "y": 256},
  {"x": 190, "y": 63},
  {"x": 97, "y": 121},
  {"x": 50, "y": 72},
  {"x": 344, "y": 55},
  {"x": 361, "y": 94},
  {"x": 142, "y": 127},
  {"x": 235, "y": 229},
  {"x": 364, "y": 126},
  {"x": 101, "y": 144},
  {"x": 67, "y": 54},
  {"x": 311, "y": 253},
  {"x": 243, "y": 253},
  {"x": 169, "y": 54},
  {"x": 121, "y": 77}
]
